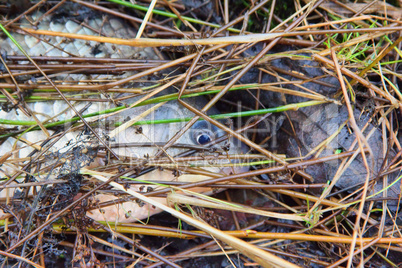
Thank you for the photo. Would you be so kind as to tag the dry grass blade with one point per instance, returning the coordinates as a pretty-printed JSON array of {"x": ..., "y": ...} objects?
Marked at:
[
  {"x": 240, "y": 39},
  {"x": 361, "y": 141},
  {"x": 174, "y": 198},
  {"x": 146, "y": 18},
  {"x": 13, "y": 256}
]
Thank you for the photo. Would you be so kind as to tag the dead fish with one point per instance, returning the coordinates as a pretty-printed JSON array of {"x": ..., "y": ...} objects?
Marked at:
[{"x": 64, "y": 157}]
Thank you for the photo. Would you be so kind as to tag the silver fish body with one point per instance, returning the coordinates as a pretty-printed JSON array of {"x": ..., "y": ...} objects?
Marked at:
[{"x": 123, "y": 143}]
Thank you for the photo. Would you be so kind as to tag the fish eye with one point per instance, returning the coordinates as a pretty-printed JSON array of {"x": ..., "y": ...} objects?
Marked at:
[
  {"x": 203, "y": 138},
  {"x": 203, "y": 132}
]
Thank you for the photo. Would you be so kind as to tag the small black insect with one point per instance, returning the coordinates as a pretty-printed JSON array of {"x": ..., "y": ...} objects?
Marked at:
[{"x": 138, "y": 130}]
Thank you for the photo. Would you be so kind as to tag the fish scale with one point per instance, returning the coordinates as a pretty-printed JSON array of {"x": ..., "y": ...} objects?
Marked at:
[{"x": 60, "y": 46}]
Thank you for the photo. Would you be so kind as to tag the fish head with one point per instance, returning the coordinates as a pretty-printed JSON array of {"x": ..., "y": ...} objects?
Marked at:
[{"x": 148, "y": 140}]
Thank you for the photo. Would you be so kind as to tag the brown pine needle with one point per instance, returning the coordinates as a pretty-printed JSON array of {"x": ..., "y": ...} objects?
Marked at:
[{"x": 239, "y": 39}]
